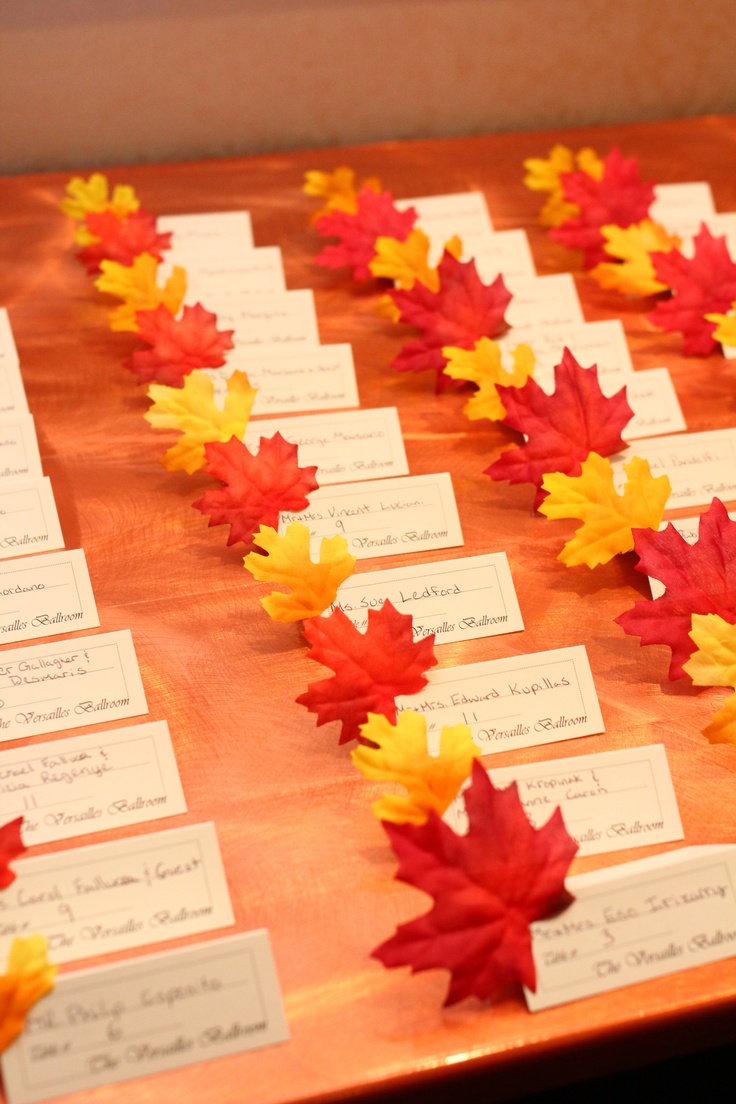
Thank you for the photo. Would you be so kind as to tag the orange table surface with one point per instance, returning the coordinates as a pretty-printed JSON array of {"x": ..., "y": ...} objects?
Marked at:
[{"x": 303, "y": 854}]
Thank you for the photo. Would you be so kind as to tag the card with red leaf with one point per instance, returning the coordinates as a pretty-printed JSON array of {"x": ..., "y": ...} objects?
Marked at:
[
  {"x": 178, "y": 345},
  {"x": 11, "y": 846},
  {"x": 376, "y": 217},
  {"x": 371, "y": 669},
  {"x": 488, "y": 887},
  {"x": 122, "y": 239}
]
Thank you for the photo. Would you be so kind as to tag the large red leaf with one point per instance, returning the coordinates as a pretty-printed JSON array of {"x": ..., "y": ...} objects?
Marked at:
[
  {"x": 562, "y": 428},
  {"x": 122, "y": 240},
  {"x": 371, "y": 669},
  {"x": 257, "y": 488},
  {"x": 179, "y": 345},
  {"x": 488, "y": 887},
  {"x": 463, "y": 310},
  {"x": 699, "y": 578},
  {"x": 619, "y": 198},
  {"x": 11, "y": 846},
  {"x": 703, "y": 284},
  {"x": 376, "y": 217}
]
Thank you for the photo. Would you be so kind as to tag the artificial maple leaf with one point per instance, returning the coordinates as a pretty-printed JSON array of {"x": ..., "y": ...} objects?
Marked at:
[
  {"x": 338, "y": 189},
  {"x": 94, "y": 195},
  {"x": 608, "y": 517},
  {"x": 11, "y": 846},
  {"x": 562, "y": 428},
  {"x": 618, "y": 198},
  {"x": 406, "y": 263},
  {"x": 136, "y": 285},
  {"x": 699, "y": 578},
  {"x": 371, "y": 669},
  {"x": 398, "y": 753},
  {"x": 376, "y": 216},
  {"x": 29, "y": 977},
  {"x": 725, "y": 331},
  {"x": 192, "y": 409},
  {"x": 179, "y": 345},
  {"x": 713, "y": 663},
  {"x": 632, "y": 245},
  {"x": 488, "y": 887},
  {"x": 482, "y": 365},
  {"x": 287, "y": 560},
  {"x": 544, "y": 175},
  {"x": 459, "y": 313},
  {"x": 122, "y": 240},
  {"x": 257, "y": 488},
  {"x": 701, "y": 285}
]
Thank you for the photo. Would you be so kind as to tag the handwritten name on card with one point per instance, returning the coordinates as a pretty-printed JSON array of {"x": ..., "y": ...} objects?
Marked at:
[
  {"x": 681, "y": 208},
  {"x": 699, "y": 465},
  {"x": 112, "y": 1023},
  {"x": 455, "y": 600},
  {"x": 517, "y": 702},
  {"x": 543, "y": 301},
  {"x": 504, "y": 253},
  {"x": 281, "y": 323},
  {"x": 346, "y": 447},
  {"x": 657, "y": 409},
  {"x": 441, "y": 217},
  {"x": 19, "y": 455},
  {"x": 384, "y": 517},
  {"x": 601, "y": 343},
  {"x": 69, "y": 684},
  {"x": 12, "y": 393},
  {"x": 45, "y": 595},
  {"x": 609, "y": 801},
  {"x": 313, "y": 379},
  {"x": 89, "y": 783},
  {"x": 211, "y": 231},
  {"x": 110, "y": 896},
  {"x": 257, "y": 272},
  {"x": 28, "y": 518},
  {"x": 637, "y": 921}
]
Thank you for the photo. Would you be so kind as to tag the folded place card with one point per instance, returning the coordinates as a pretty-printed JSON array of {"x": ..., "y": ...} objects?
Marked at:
[
  {"x": 601, "y": 343},
  {"x": 45, "y": 595},
  {"x": 681, "y": 208},
  {"x": 384, "y": 517},
  {"x": 210, "y": 232},
  {"x": 108, "y": 1024},
  {"x": 652, "y": 397},
  {"x": 12, "y": 393},
  {"x": 542, "y": 301},
  {"x": 282, "y": 323},
  {"x": 346, "y": 447},
  {"x": 90, "y": 783},
  {"x": 19, "y": 455},
  {"x": 504, "y": 253},
  {"x": 69, "y": 684},
  {"x": 515, "y": 702},
  {"x": 441, "y": 217},
  {"x": 637, "y": 921},
  {"x": 108, "y": 897},
  {"x": 322, "y": 378},
  {"x": 28, "y": 518},
  {"x": 699, "y": 465},
  {"x": 455, "y": 599},
  {"x": 257, "y": 272},
  {"x": 610, "y": 801}
]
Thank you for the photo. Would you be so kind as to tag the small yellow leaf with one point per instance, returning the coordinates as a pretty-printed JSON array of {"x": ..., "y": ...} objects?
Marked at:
[
  {"x": 722, "y": 728},
  {"x": 287, "y": 560},
  {"x": 713, "y": 663},
  {"x": 607, "y": 516},
  {"x": 432, "y": 782},
  {"x": 192, "y": 410},
  {"x": 337, "y": 188},
  {"x": 632, "y": 245},
  {"x": 136, "y": 285},
  {"x": 405, "y": 262},
  {"x": 543, "y": 175},
  {"x": 482, "y": 365},
  {"x": 29, "y": 977},
  {"x": 94, "y": 195},
  {"x": 726, "y": 326}
]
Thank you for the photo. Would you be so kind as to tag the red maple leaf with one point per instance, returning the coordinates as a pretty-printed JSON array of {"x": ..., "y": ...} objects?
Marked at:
[
  {"x": 371, "y": 669},
  {"x": 122, "y": 240},
  {"x": 619, "y": 198},
  {"x": 703, "y": 284},
  {"x": 256, "y": 487},
  {"x": 376, "y": 217},
  {"x": 562, "y": 428},
  {"x": 463, "y": 310},
  {"x": 699, "y": 578},
  {"x": 11, "y": 846},
  {"x": 488, "y": 887},
  {"x": 179, "y": 345}
]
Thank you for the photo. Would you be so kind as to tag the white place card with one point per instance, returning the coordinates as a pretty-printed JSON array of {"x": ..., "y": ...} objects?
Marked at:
[
  {"x": 28, "y": 518},
  {"x": 520, "y": 701},
  {"x": 109, "y": 1024},
  {"x": 653, "y": 399},
  {"x": 8, "y": 350},
  {"x": 441, "y": 217},
  {"x": 610, "y": 801},
  {"x": 637, "y": 921},
  {"x": 700, "y": 466},
  {"x": 313, "y": 379},
  {"x": 384, "y": 517},
  {"x": 505, "y": 253},
  {"x": 688, "y": 528},
  {"x": 542, "y": 301},
  {"x": 45, "y": 595},
  {"x": 257, "y": 272},
  {"x": 19, "y": 455},
  {"x": 12, "y": 393},
  {"x": 83, "y": 784},
  {"x": 346, "y": 447},
  {"x": 601, "y": 343},
  {"x": 681, "y": 208},
  {"x": 280, "y": 324},
  {"x": 456, "y": 599},
  {"x": 69, "y": 684},
  {"x": 108, "y": 897},
  {"x": 209, "y": 232}
]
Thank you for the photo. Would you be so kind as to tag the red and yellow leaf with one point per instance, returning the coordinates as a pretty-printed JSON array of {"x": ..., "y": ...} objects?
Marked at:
[
  {"x": 29, "y": 977},
  {"x": 376, "y": 217},
  {"x": 178, "y": 345}
]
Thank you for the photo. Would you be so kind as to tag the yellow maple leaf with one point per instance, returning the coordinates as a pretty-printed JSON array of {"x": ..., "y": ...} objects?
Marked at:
[
  {"x": 726, "y": 326},
  {"x": 287, "y": 560},
  {"x": 482, "y": 365},
  {"x": 405, "y": 263},
  {"x": 29, "y": 977},
  {"x": 722, "y": 728},
  {"x": 432, "y": 782},
  {"x": 632, "y": 245},
  {"x": 608, "y": 518},
  {"x": 543, "y": 175},
  {"x": 136, "y": 285},
  {"x": 338, "y": 189},
  {"x": 94, "y": 195},
  {"x": 192, "y": 409},
  {"x": 713, "y": 663}
]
